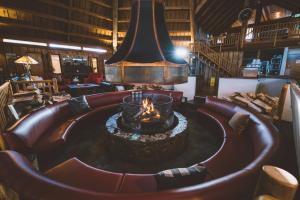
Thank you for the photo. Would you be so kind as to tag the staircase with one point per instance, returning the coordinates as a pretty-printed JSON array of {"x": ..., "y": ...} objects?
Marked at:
[
  {"x": 213, "y": 58},
  {"x": 212, "y": 65}
]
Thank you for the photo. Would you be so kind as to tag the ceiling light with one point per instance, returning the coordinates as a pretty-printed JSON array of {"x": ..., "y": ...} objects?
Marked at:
[
  {"x": 98, "y": 50},
  {"x": 24, "y": 42},
  {"x": 181, "y": 52},
  {"x": 62, "y": 46},
  {"x": 277, "y": 15}
]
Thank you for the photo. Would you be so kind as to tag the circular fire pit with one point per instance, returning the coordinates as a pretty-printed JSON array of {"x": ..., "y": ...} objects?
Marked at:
[
  {"x": 148, "y": 130},
  {"x": 148, "y": 113}
]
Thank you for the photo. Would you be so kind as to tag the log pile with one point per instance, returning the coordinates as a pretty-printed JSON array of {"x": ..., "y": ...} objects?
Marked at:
[{"x": 260, "y": 102}]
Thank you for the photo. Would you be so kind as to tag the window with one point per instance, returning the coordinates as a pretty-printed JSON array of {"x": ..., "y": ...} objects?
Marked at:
[
  {"x": 249, "y": 34},
  {"x": 56, "y": 64},
  {"x": 95, "y": 65}
]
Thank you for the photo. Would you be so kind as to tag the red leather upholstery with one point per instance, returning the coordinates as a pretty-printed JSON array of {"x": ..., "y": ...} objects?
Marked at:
[
  {"x": 138, "y": 183},
  {"x": 94, "y": 78},
  {"x": 75, "y": 173},
  {"x": 233, "y": 169},
  {"x": 48, "y": 128},
  {"x": 54, "y": 137},
  {"x": 29, "y": 129},
  {"x": 105, "y": 99}
]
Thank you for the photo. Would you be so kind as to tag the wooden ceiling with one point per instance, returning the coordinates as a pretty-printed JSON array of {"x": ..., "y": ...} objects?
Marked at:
[
  {"x": 177, "y": 17},
  {"x": 91, "y": 22},
  {"x": 217, "y": 16},
  {"x": 69, "y": 21},
  {"x": 88, "y": 22}
]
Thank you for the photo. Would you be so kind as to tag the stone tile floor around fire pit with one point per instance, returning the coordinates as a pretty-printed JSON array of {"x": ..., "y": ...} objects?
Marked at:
[{"x": 89, "y": 147}]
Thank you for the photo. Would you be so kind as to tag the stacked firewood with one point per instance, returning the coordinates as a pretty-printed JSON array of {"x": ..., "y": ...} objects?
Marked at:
[{"x": 260, "y": 102}]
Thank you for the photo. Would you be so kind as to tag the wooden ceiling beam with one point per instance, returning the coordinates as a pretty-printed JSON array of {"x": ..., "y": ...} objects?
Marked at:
[
  {"x": 224, "y": 27},
  {"x": 225, "y": 22},
  {"x": 221, "y": 8},
  {"x": 52, "y": 17},
  {"x": 200, "y": 5},
  {"x": 7, "y": 23},
  {"x": 208, "y": 7},
  {"x": 97, "y": 15},
  {"x": 100, "y": 3},
  {"x": 128, "y": 8},
  {"x": 167, "y": 20}
]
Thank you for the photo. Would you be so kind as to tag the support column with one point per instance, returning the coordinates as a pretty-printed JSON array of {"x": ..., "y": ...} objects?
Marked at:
[
  {"x": 258, "y": 12},
  {"x": 115, "y": 25},
  {"x": 192, "y": 20}
]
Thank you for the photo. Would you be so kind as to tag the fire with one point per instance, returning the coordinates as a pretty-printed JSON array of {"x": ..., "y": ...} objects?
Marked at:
[{"x": 149, "y": 112}]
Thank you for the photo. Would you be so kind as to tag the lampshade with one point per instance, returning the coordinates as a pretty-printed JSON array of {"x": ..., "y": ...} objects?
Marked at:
[{"x": 26, "y": 60}]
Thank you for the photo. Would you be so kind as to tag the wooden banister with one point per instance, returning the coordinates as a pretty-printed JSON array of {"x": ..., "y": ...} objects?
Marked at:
[
  {"x": 5, "y": 95},
  {"x": 46, "y": 85},
  {"x": 264, "y": 33},
  {"x": 221, "y": 62}
]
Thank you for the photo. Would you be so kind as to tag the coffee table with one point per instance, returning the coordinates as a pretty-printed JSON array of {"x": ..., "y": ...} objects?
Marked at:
[{"x": 76, "y": 90}]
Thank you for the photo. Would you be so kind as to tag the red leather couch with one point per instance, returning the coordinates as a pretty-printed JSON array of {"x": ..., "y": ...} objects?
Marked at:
[
  {"x": 232, "y": 171},
  {"x": 94, "y": 78}
]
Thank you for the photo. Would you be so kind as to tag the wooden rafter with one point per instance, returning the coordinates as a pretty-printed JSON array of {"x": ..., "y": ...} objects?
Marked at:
[
  {"x": 56, "y": 18},
  {"x": 97, "y": 15}
]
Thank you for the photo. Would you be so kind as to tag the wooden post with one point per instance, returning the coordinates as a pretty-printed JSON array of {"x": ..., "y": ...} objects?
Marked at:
[
  {"x": 258, "y": 12},
  {"x": 115, "y": 25},
  {"x": 276, "y": 35},
  {"x": 165, "y": 71},
  {"x": 243, "y": 33},
  {"x": 69, "y": 19},
  {"x": 123, "y": 71},
  {"x": 192, "y": 20},
  {"x": 276, "y": 182},
  {"x": 55, "y": 85}
]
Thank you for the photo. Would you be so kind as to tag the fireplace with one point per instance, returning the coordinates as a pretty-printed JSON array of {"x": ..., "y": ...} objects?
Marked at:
[
  {"x": 148, "y": 113},
  {"x": 147, "y": 129},
  {"x": 147, "y": 54}
]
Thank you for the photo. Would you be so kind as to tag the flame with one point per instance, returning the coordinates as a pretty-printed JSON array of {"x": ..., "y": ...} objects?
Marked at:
[{"x": 149, "y": 112}]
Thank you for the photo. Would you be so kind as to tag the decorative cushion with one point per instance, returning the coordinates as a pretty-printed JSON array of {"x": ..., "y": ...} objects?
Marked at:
[
  {"x": 79, "y": 105},
  {"x": 239, "y": 122},
  {"x": 180, "y": 177}
]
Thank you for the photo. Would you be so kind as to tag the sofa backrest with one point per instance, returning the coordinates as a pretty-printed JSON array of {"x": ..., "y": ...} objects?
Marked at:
[
  {"x": 177, "y": 95},
  {"x": 220, "y": 106},
  {"x": 263, "y": 134},
  {"x": 29, "y": 129},
  {"x": 104, "y": 99}
]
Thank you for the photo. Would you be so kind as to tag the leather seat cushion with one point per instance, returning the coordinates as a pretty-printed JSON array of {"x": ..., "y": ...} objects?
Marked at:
[
  {"x": 75, "y": 173},
  {"x": 220, "y": 106},
  {"x": 29, "y": 129},
  {"x": 137, "y": 183},
  {"x": 55, "y": 137}
]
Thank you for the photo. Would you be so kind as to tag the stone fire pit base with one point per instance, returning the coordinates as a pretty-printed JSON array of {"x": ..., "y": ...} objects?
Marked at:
[{"x": 145, "y": 148}]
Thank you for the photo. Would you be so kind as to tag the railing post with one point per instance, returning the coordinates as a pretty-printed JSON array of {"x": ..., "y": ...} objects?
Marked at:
[{"x": 276, "y": 34}]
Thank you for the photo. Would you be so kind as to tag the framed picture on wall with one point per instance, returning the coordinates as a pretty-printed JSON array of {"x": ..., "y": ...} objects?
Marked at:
[
  {"x": 38, "y": 69},
  {"x": 11, "y": 66}
]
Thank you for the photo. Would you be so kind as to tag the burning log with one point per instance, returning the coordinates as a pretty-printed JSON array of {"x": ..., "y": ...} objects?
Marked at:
[{"x": 147, "y": 111}]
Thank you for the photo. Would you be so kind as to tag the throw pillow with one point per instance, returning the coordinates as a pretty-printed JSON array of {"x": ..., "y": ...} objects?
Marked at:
[
  {"x": 180, "y": 177},
  {"x": 79, "y": 105},
  {"x": 239, "y": 122}
]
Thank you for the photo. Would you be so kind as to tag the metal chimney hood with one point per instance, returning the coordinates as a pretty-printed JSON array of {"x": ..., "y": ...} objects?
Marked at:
[{"x": 147, "y": 55}]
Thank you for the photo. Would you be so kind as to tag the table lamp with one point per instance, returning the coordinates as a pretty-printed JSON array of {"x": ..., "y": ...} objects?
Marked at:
[{"x": 27, "y": 61}]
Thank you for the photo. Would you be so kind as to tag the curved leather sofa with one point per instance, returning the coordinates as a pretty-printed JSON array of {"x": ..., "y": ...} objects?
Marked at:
[{"x": 232, "y": 171}]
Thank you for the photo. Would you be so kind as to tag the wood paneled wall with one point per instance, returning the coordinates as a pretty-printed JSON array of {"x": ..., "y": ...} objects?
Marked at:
[
  {"x": 77, "y": 21},
  {"x": 44, "y": 55}
]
